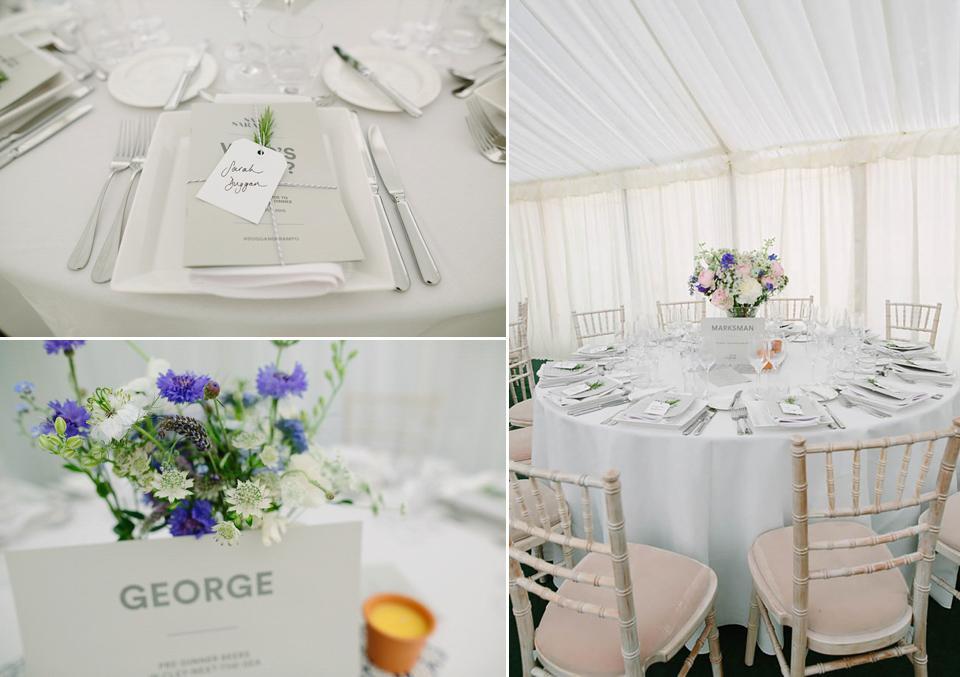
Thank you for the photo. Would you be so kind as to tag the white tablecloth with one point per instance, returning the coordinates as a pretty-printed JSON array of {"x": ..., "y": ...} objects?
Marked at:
[
  {"x": 709, "y": 497},
  {"x": 47, "y": 196},
  {"x": 456, "y": 570}
]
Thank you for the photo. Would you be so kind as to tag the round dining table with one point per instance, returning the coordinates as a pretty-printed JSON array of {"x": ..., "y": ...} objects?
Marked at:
[
  {"x": 709, "y": 496},
  {"x": 458, "y": 197}
]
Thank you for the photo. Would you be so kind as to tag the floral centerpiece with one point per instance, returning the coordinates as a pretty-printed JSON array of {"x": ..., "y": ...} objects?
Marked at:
[
  {"x": 201, "y": 459},
  {"x": 737, "y": 282}
]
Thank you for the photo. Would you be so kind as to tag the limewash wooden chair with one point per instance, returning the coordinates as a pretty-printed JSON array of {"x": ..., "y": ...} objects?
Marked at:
[
  {"x": 789, "y": 309},
  {"x": 680, "y": 311},
  {"x": 599, "y": 324},
  {"x": 623, "y": 608},
  {"x": 916, "y": 317},
  {"x": 835, "y": 582},
  {"x": 520, "y": 384}
]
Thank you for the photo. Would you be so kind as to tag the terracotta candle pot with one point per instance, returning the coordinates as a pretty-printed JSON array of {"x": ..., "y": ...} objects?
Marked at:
[{"x": 397, "y": 630}]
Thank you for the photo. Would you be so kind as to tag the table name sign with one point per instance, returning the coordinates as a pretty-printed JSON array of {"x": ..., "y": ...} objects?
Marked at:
[
  {"x": 731, "y": 336},
  {"x": 174, "y": 607}
]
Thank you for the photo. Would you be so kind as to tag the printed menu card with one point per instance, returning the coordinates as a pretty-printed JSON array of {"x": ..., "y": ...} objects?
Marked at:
[
  {"x": 731, "y": 336},
  {"x": 188, "y": 606},
  {"x": 23, "y": 68},
  {"x": 311, "y": 223}
]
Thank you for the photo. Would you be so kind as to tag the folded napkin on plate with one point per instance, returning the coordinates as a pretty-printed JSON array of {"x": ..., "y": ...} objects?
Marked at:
[
  {"x": 889, "y": 404},
  {"x": 296, "y": 280},
  {"x": 808, "y": 414}
]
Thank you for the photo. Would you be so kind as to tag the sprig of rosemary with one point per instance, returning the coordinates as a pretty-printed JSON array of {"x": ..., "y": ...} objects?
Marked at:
[
  {"x": 595, "y": 385},
  {"x": 264, "y": 128},
  {"x": 3, "y": 76},
  {"x": 673, "y": 401}
]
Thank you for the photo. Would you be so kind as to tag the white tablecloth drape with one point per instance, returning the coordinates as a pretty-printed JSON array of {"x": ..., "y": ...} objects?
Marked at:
[
  {"x": 710, "y": 497},
  {"x": 47, "y": 195}
]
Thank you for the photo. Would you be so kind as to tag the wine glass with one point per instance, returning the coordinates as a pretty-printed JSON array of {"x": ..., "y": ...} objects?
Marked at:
[
  {"x": 250, "y": 73},
  {"x": 759, "y": 354},
  {"x": 707, "y": 356},
  {"x": 294, "y": 52},
  {"x": 394, "y": 36},
  {"x": 148, "y": 29}
]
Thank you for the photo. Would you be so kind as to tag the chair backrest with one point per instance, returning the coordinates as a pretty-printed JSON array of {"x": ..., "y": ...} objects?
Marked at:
[
  {"x": 902, "y": 498},
  {"x": 913, "y": 317},
  {"x": 791, "y": 310},
  {"x": 681, "y": 311},
  {"x": 520, "y": 376},
  {"x": 597, "y": 323},
  {"x": 518, "y": 329},
  {"x": 534, "y": 522}
]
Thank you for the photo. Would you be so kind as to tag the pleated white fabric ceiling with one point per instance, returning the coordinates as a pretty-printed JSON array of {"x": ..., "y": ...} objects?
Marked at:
[{"x": 609, "y": 85}]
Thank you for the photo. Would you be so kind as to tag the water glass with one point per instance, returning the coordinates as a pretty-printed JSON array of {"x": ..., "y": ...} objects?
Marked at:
[
  {"x": 294, "y": 52},
  {"x": 107, "y": 39},
  {"x": 460, "y": 30}
]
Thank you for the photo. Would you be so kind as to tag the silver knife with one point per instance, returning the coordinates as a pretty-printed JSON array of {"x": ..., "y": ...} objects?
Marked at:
[
  {"x": 401, "y": 279},
  {"x": 45, "y": 133},
  {"x": 192, "y": 63},
  {"x": 44, "y": 116},
  {"x": 391, "y": 180},
  {"x": 706, "y": 419},
  {"x": 695, "y": 422},
  {"x": 834, "y": 417},
  {"x": 405, "y": 104}
]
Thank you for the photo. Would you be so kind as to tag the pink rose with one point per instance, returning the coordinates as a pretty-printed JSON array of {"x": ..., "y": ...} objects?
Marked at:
[
  {"x": 722, "y": 299},
  {"x": 768, "y": 282},
  {"x": 705, "y": 279},
  {"x": 743, "y": 270},
  {"x": 776, "y": 269}
]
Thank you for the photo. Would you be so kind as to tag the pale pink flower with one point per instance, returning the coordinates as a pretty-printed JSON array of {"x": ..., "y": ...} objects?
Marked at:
[
  {"x": 768, "y": 280},
  {"x": 705, "y": 279},
  {"x": 776, "y": 269},
  {"x": 722, "y": 299},
  {"x": 743, "y": 270}
]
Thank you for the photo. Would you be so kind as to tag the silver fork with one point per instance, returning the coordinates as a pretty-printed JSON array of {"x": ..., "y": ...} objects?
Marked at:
[
  {"x": 121, "y": 160},
  {"x": 478, "y": 114},
  {"x": 103, "y": 268},
  {"x": 483, "y": 143},
  {"x": 740, "y": 414}
]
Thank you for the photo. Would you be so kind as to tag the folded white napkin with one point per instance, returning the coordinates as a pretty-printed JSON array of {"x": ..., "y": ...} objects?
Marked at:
[{"x": 298, "y": 280}]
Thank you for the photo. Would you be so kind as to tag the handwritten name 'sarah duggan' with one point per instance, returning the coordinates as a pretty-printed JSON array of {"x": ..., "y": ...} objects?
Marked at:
[{"x": 240, "y": 186}]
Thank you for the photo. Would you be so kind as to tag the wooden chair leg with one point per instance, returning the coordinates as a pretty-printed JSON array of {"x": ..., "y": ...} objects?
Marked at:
[
  {"x": 753, "y": 624},
  {"x": 713, "y": 637}
]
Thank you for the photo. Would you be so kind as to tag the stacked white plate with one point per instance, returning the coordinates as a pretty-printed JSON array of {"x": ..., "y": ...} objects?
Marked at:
[
  {"x": 882, "y": 395},
  {"x": 599, "y": 352},
  {"x": 770, "y": 414},
  {"x": 681, "y": 409},
  {"x": 567, "y": 371}
]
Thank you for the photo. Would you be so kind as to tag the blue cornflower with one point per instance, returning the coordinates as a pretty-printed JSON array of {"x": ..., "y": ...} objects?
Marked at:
[
  {"x": 769, "y": 286},
  {"x": 181, "y": 388},
  {"x": 77, "y": 418},
  {"x": 274, "y": 383},
  {"x": 54, "y": 347},
  {"x": 23, "y": 388},
  {"x": 727, "y": 260},
  {"x": 194, "y": 520},
  {"x": 702, "y": 289},
  {"x": 292, "y": 430},
  {"x": 772, "y": 257}
]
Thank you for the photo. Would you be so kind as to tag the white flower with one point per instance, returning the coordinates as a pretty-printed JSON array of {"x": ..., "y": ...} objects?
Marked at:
[
  {"x": 273, "y": 527},
  {"x": 111, "y": 420},
  {"x": 270, "y": 455},
  {"x": 171, "y": 484},
  {"x": 143, "y": 391},
  {"x": 747, "y": 291},
  {"x": 226, "y": 533},
  {"x": 249, "y": 499},
  {"x": 249, "y": 440},
  {"x": 297, "y": 487}
]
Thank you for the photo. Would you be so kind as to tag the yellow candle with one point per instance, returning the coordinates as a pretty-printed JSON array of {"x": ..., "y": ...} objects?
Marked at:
[{"x": 398, "y": 620}]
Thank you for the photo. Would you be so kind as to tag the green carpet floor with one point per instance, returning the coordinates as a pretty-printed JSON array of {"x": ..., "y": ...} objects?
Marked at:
[{"x": 943, "y": 642}]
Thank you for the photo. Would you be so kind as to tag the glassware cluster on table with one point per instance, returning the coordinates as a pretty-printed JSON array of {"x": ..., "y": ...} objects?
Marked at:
[{"x": 833, "y": 356}]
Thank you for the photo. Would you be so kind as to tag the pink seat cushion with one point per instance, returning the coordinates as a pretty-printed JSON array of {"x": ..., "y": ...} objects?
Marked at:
[
  {"x": 851, "y": 605},
  {"x": 667, "y": 590},
  {"x": 521, "y": 444},
  {"x": 950, "y": 525},
  {"x": 549, "y": 502},
  {"x": 522, "y": 413}
]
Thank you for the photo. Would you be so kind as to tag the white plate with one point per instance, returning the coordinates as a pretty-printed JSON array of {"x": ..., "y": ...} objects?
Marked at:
[
  {"x": 493, "y": 99},
  {"x": 760, "y": 419},
  {"x": 496, "y": 31},
  {"x": 638, "y": 409},
  {"x": 411, "y": 76},
  {"x": 675, "y": 423},
  {"x": 147, "y": 79},
  {"x": 59, "y": 84},
  {"x": 150, "y": 260},
  {"x": 31, "y": 21}
]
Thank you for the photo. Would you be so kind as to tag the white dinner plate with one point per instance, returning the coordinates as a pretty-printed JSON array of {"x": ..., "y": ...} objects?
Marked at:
[
  {"x": 150, "y": 260},
  {"x": 147, "y": 79},
  {"x": 496, "y": 30},
  {"x": 411, "y": 76}
]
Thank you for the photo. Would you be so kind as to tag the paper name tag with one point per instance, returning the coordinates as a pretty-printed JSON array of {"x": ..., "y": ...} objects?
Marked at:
[
  {"x": 575, "y": 390},
  {"x": 244, "y": 180},
  {"x": 657, "y": 408},
  {"x": 792, "y": 409}
]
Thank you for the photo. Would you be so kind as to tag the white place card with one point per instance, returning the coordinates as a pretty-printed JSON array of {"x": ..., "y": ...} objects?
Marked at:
[
  {"x": 183, "y": 606},
  {"x": 244, "y": 180},
  {"x": 657, "y": 408},
  {"x": 791, "y": 409},
  {"x": 731, "y": 336}
]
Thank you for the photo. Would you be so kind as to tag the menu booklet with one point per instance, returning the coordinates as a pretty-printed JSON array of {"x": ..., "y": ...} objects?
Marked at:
[
  {"x": 183, "y": 606},
  {"x": 24, "y": 69},
  {"x": 312, "y": 224},
  {"x": 731, "y": 336}
]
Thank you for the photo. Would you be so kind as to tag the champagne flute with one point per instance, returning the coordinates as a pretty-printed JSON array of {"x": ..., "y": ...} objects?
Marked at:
[{"x": 249, "y": 73}]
